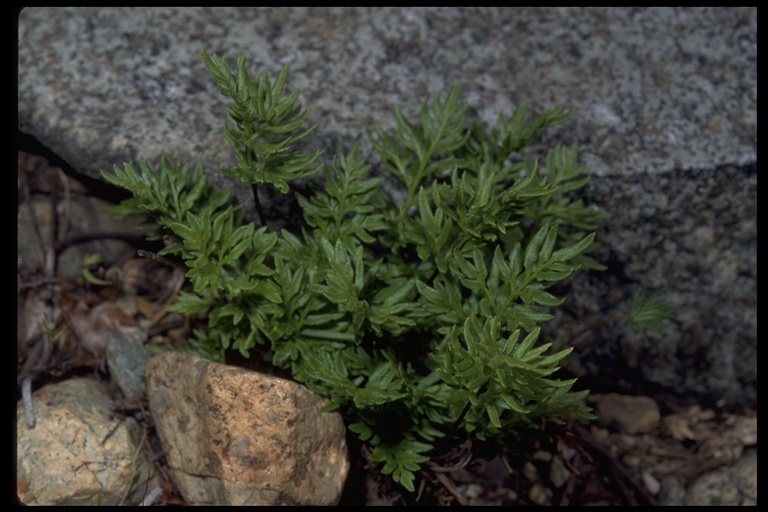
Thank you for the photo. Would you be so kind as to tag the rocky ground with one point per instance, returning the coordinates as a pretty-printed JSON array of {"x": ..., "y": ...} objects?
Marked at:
[{"x": 654, "y": 449}]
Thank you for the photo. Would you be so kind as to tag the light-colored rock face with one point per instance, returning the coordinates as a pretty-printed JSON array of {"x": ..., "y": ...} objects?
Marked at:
[
  {"x": 235, "y": 437},
  {"x": 78, "y": 452},
  {"x": 665, "y": 116}
]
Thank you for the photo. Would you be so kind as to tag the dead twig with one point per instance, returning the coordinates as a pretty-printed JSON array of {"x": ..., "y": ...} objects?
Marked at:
[
  {"x": 26, "y": 398},
  {"x": 44, "y": 281},
  {"x": 66, "y": 205},
  {"x": 633, "y": 492},
  {"x": 49, "y": 249},
  {"x": 451, "y": 487},
  {"x": 462, "y": 463}
]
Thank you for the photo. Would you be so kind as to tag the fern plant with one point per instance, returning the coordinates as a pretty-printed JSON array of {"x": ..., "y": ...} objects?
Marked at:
[
  {"x": 419, "y": 321},
  {"x": 266, "y": 127}
]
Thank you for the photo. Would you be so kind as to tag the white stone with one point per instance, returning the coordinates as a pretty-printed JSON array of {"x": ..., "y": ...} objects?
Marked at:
[{"x": 79, "y": 452}]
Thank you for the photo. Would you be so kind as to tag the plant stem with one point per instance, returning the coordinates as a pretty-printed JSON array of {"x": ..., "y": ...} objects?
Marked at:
[
  {"x": 256, "y": 201},
  {"x": 458, "y": 421}
]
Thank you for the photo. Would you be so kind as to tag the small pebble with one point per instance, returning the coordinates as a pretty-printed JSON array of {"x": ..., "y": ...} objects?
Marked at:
[
  {"x": 651, "y": 484},
  {"x": 540, "y": 495}
]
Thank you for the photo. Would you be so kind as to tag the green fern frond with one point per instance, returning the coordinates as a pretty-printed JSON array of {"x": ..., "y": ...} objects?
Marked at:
[{"x": 419, "y": 322}]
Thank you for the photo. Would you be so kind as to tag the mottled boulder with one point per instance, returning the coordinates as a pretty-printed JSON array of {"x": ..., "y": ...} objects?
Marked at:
[
  {"x": 79, "y": 452},
  {"x": 236, "y": 437}
]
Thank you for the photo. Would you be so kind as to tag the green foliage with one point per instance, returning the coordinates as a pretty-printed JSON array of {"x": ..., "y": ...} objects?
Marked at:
[
  {"x": 420, "y": 149},
  {"x": 419, "y": 321},
  {"x": 266, "y": 125},
  {"x": 165, "y": 195},
  {"x": 647, "y": 313},
  {"x": 503, "y": 379}
]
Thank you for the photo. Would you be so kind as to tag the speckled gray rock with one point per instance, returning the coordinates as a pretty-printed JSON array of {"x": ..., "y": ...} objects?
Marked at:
[
  {"x": 127, "y": 359},
  {"x": 692, "y": 235},
  {"x": 665, "y": 107}
]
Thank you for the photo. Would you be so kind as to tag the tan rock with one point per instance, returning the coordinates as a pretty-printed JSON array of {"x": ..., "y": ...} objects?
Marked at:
[
  {"x": 629, "y": 414},
  {"x": 79, "y": 452},
  {"x": 236, "y": 437}
]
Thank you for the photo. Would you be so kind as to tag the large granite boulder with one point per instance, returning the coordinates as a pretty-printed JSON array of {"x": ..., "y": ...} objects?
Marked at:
[{"x": 665, "y": 107}]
